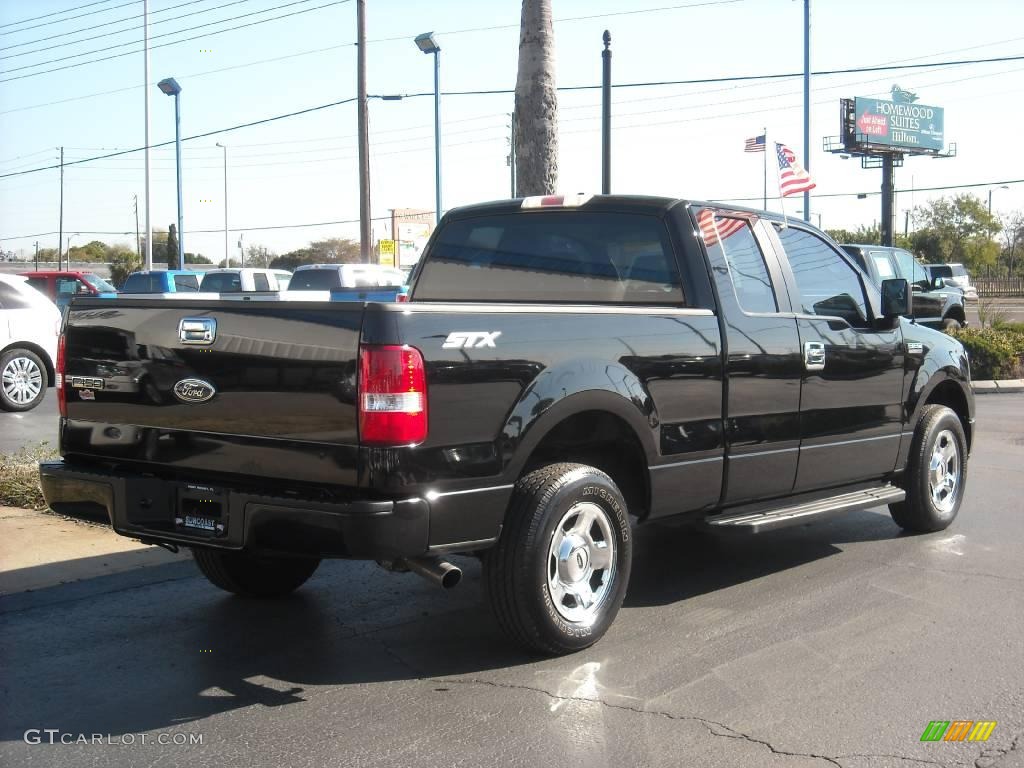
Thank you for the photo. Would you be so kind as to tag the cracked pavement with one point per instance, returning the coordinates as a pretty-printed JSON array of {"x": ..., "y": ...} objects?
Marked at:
[{"x": 831, "y": 644}]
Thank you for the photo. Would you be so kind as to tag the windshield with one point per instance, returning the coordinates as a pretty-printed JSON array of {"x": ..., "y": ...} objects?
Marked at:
[{"x": 99, "y": 283}]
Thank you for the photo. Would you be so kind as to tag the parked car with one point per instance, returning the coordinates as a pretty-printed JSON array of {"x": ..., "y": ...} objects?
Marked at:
[
  {"x": 935, "y": 304},
  {"x": 284, "y": 277},
  {"x": 563, "y": 368},
  {"x": 61, "y": 286},
  {"x": 29, "y": 326},
  {"x": 162, "y": 281},
  {"x": 243, "y": 280},
  {"x": 349, "y": 282},
  {"x": 954, "y": 274}
]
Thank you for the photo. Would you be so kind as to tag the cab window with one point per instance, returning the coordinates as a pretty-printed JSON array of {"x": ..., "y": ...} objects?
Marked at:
[
  {"x": 882, "y": 265},
  {"x": 908, "y": 268},
  {"x": 828, "y": 285}
]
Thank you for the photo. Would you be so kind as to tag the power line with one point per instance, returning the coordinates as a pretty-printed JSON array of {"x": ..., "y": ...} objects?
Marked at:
[
  {"x": 54, "y": 13},
  {"x": 183, "y": 40},
  {"x": 61, "y": 21},
  {"x": 107, "y": 24},
  {"x": 851, "y": 70},
  {"x": 152, "y": 37}
]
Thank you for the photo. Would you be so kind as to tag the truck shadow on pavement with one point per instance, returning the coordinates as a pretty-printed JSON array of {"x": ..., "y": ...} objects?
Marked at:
[{"x": 167, "y": 651}]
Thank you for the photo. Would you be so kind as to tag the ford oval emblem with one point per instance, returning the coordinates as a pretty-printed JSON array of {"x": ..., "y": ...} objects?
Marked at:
[{"x": 194, "y": 390}]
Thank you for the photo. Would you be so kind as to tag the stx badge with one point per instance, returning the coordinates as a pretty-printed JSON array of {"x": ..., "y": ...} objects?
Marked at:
[{"x": 470, "y": 339}]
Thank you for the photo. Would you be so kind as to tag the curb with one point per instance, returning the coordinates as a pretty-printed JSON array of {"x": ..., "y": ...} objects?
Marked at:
[{"x": 1006, "y": 386}]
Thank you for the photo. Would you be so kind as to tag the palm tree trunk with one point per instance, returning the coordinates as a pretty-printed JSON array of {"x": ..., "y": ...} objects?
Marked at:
[{"x": 536, "y": 112}]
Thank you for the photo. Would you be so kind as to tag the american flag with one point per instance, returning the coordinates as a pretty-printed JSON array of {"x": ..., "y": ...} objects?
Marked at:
[
  {"x": 715, "y": 228},
  {"x": 755, "y": 144},
  {"x": 793, "y": 179}
]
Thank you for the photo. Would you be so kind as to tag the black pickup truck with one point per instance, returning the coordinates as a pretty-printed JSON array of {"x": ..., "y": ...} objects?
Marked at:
[{"x": 564, "y": 369}]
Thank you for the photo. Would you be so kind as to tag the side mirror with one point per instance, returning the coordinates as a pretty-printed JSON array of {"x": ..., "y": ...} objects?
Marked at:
[
  {"x": 896, "y": 298},
  {"x": 939, "y": 282}
]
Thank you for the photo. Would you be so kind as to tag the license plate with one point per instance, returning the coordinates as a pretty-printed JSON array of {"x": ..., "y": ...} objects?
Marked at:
[{"x": 201, "y": 523}]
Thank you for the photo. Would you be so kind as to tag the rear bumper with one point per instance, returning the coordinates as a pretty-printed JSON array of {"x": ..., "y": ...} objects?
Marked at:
[{"x": 155, "y": 510}]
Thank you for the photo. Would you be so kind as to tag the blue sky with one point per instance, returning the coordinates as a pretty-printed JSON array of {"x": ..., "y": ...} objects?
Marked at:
[{"x": 674, "y": 140}]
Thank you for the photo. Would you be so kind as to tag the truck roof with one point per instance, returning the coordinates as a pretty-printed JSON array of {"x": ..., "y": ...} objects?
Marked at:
[{"x": 648, "y": 204}]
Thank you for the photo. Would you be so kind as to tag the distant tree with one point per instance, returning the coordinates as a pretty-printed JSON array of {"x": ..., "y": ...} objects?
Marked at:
[
  {"x": 95, "y": 251},
  {"x": 46, "y": 254},
  {"x": 196, "y": 258},
  {"x": 258, "y": 255},
  {"x": 957, "y": 230},
  {"x": 159, "y": 245},
  {"x": 171, "y": 248},
  {"x": 292, "y": 259},
  {"x": 336, "y": 250},
  {"x": 536, "y": 102},
  {"x": 123, "y": 262},
  {"x": 1013, "y": 242},
  {"x": 227, "y": 263}
]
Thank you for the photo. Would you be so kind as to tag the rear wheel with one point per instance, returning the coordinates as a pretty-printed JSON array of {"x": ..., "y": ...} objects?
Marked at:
[
  {"x": 559, "y": 572},
  {"x": 936, "y": 473},
  {"x": 22, "y": 380},
  {"x": 251, "y": 576}
]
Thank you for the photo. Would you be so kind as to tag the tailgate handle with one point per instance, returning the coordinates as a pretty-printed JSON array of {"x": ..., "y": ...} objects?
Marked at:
[{"x": 197, "y": 330}]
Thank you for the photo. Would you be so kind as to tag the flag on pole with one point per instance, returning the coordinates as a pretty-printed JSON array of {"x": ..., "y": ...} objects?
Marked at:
[
  {"x": 755, "y": 144},
  {"x": 793, "y": 179},
  {"x": 714, "y": 228}
]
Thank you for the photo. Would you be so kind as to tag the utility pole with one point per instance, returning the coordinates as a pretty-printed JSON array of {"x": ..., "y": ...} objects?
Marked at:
[
  {"x": 241, "y": 251},
  {"x": 606, "y": 115},
  {"x": 511, "y": 159},
  {"x": 364, "y": 142},
  {"x": 138, "y": 245},
  {"x": 807, "y": 105},
  {"x": 888, "y": 193},
  {"x": 37, "y": 255},
  {"x": 60, "y": 229},
  {"x": 148, "y": 263}
]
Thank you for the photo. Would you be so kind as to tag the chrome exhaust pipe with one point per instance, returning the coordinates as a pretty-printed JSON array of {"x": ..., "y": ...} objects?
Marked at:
[{"x": 433, "y": 569}]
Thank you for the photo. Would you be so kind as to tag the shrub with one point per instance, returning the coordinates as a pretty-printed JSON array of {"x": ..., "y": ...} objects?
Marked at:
[
  {"x": 995, "y": 353},
  {"x": 19, "y": 477}
]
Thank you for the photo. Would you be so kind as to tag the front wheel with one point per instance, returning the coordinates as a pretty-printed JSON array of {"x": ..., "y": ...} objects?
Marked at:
[
  {"x": 936, "y": 473},
  {"x": 559, "y": 572},
  {"x": 251, "y": 576}
]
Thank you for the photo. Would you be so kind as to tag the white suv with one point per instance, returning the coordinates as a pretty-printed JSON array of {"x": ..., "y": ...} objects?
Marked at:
[{"x": 29, "y": 326}]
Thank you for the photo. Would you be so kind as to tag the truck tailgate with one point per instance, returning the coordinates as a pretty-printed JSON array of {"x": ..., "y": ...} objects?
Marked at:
[{"x": 141, "y": 371}]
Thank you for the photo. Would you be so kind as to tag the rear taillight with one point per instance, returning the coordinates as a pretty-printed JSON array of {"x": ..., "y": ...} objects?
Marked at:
[
  {"x": 392, "y": 396},
  {"x": 58, "y": 382}
]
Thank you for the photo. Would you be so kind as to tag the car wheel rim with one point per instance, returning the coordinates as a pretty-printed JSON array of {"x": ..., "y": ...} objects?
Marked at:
[
  {"x": 581, "y": 563},
  {"x": 22, "y": 380},
  {"x": 944, "y": 471}
]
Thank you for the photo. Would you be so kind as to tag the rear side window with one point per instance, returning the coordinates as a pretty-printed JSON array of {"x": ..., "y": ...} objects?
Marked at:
[
  {"x": 827, "y": 284},
  {"x": 552, "y": 256},
  {"x": 40, "y": 284},
  {"x": 747, "y": 268},
  {"x": 143, "y": 284},
  {"x": 10, "y": 298},
  {"x": 222, "y": 282},
  {"x": 186, "y": 283},
  {"x": 883, "y": 265},
  {"x": 314, "y": 280},
  {"x": 261, "y": 282},
  {"x": 941, "y": 271}
]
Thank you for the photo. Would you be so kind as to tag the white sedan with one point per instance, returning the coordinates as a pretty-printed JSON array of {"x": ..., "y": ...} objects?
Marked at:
[{"x": 29, "y": 327}]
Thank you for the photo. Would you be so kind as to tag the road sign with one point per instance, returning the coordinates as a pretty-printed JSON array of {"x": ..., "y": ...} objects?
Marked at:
[
  {"x": 386, "y": 253},
  {"x": 899, "y": 125}
]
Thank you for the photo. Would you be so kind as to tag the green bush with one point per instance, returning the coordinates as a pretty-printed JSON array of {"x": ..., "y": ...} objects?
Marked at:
[
  {"x": 19, "y": 477},
  {"x": 995, "y": 353}
]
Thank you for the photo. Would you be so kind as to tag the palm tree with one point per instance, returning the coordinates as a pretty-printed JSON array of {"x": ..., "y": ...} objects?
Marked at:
[{"x": 536, "y": 112}]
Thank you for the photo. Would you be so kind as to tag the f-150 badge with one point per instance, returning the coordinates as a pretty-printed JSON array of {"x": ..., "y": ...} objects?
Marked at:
[{"x": 470, "y": 339}]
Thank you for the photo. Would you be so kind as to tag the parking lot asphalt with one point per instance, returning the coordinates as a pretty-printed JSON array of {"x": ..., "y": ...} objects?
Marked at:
[
  {"x": 28, "y": 429},
  {"x": 829, "y": 644}
]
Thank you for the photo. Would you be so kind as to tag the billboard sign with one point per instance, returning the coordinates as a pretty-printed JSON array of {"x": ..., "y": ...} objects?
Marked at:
[{"x": 898, "y": 125}]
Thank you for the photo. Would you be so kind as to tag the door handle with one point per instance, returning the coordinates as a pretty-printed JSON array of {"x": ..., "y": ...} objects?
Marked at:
[{"x": 814, "y": 356}]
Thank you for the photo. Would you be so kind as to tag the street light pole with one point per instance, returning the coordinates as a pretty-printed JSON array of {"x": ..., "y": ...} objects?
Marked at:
[
  {"x": 171, "y": 88},
  {"x": 427, "y": 44},
  {"x": 226, "y": 253},
  {"x": 148, "y": 265}
]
